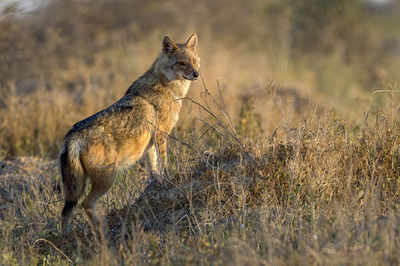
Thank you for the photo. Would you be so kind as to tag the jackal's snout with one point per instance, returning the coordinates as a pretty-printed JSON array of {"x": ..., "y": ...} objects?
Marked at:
[{"x": 194, "y": 75}]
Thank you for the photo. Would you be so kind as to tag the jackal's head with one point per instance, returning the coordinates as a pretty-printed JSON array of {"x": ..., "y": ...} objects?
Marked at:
[{"x": 179, "y": 60}]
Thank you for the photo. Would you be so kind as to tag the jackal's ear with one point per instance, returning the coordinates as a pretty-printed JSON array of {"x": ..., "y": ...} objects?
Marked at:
[
  {"x": 168, "y": 45},
  {"x": 192, "y": 42}
]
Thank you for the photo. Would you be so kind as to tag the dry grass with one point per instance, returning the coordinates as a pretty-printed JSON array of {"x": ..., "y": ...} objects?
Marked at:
[
  {"x": 322, "y": 195},
  {"x": 287, "y": 159}
]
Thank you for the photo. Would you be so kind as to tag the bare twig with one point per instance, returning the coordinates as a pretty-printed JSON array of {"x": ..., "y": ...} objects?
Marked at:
[
  {"x": 225, "y": 109},
  {"x": 216, "y": 129},
  {"x": 380, "y": 91},
  {"x": 47, "y": 241},
  {"x": 172, "y": 137},
  {"x": 233, "y": 135}
]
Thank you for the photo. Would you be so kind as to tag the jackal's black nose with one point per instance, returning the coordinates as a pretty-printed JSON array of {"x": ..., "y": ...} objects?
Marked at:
[{"x": 195, "y": 74}]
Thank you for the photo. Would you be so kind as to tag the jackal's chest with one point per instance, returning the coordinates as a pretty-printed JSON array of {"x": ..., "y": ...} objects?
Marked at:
[{"x": 168, "y": 115}]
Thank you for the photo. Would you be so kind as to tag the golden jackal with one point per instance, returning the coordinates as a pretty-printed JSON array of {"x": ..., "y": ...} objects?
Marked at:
[{"x": 116, "y": 137}]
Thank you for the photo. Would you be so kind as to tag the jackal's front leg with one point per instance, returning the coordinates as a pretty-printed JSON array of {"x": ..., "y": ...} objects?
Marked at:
[
  {"x": 157, "y": 159},
  {"x": 152, "y": 164}
]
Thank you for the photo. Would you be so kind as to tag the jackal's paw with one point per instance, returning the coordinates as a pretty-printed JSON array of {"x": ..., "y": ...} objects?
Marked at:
[{"x": 153, "y": 178}]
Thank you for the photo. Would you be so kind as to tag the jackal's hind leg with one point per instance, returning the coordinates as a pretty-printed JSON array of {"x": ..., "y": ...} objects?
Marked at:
[
  {"x": 66, "y": 215},
  {"x": 100, "y": 185}
]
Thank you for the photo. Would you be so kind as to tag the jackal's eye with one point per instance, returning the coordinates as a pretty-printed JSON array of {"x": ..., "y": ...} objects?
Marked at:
[{"x": 181, "y": 63}]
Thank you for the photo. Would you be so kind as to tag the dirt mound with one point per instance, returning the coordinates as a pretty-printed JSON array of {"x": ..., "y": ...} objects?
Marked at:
[{"x": 209, "y": 193}]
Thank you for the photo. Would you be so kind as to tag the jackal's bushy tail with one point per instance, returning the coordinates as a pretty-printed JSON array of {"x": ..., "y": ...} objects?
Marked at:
[{"x": 73, "y": 176}]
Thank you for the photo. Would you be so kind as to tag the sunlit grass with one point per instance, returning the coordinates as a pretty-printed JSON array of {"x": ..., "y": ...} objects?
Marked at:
[{"x": 286, "y": 151}]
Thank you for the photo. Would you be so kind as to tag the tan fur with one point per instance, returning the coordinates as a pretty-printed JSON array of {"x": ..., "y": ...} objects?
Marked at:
[{"x": 97, "y": 147}]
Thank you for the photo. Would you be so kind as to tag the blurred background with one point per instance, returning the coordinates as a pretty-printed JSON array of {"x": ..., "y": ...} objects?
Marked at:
[{"x": 278, "y": 63}]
